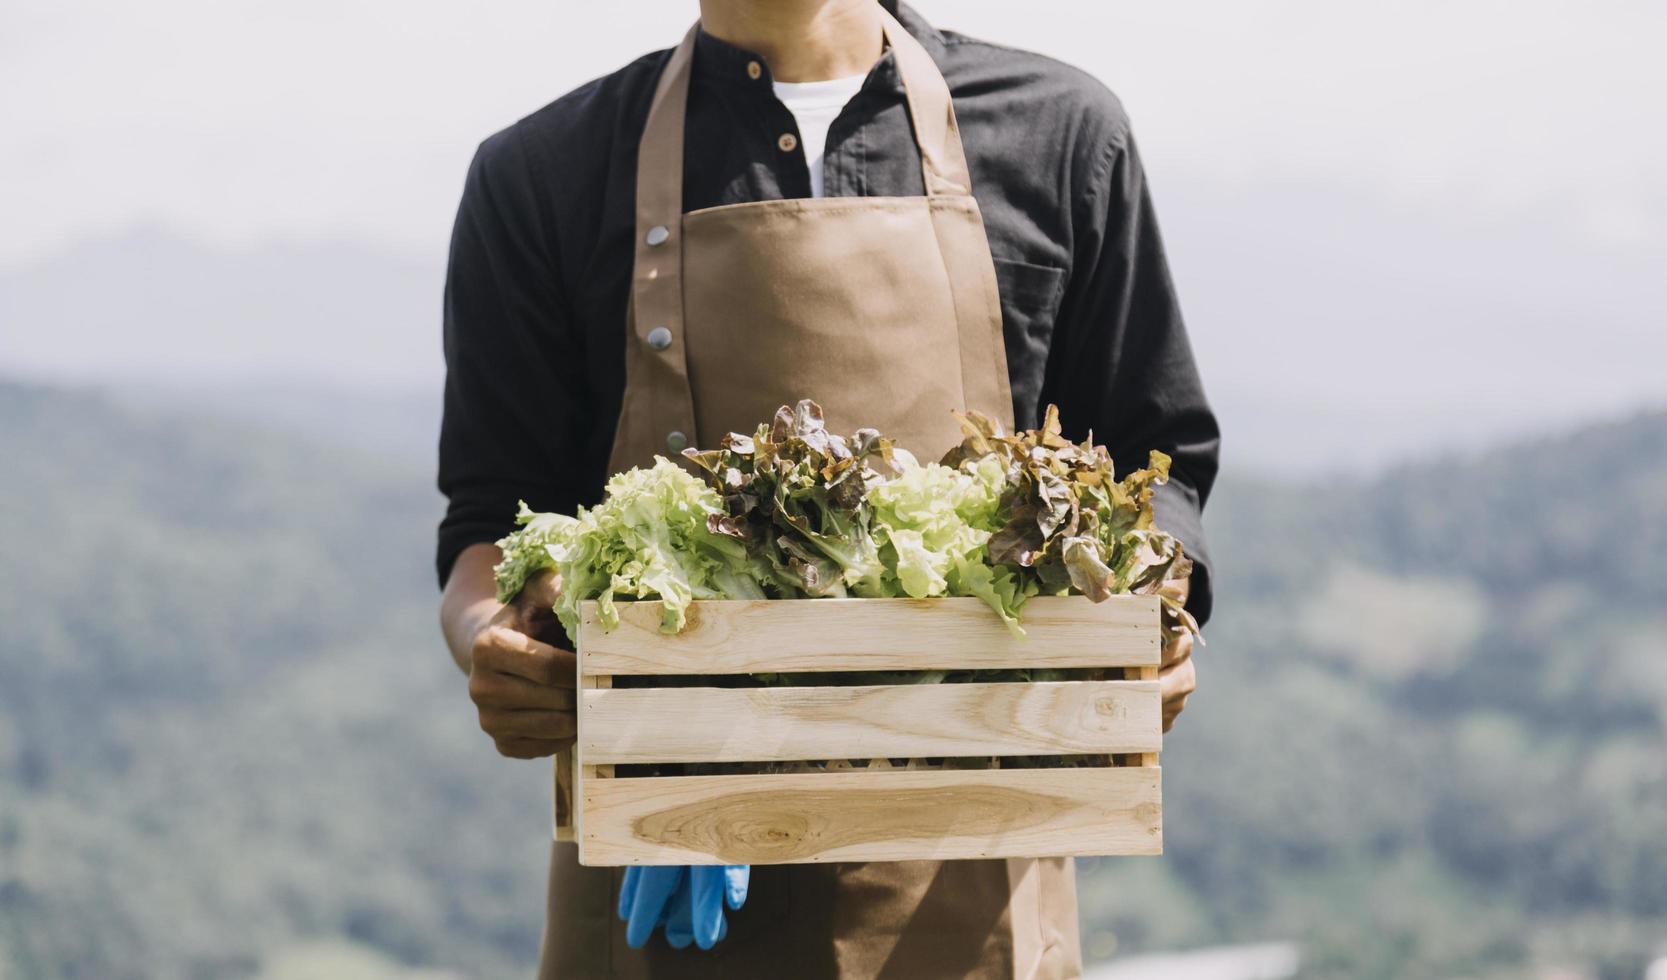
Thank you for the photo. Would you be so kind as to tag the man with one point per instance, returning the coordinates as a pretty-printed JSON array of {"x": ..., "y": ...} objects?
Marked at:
[{"x": 808, "y": 198}]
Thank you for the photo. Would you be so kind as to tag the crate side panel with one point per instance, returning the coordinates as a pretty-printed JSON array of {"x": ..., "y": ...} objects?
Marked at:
[
  {"x": 705, "y": 724},
  {"x": 754, "y": 636},
  {"x": 872, "y": 816}
]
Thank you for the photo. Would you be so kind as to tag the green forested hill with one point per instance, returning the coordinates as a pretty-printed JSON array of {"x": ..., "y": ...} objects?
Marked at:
[
  {"x": 1429, "y": 740},
  {"x": 226, "y": 723}
]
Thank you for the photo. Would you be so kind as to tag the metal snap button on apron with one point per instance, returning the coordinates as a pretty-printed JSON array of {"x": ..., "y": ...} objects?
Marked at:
[
  {"x": 787, "y": 142},
  {"x": 754, "y": 69},
  {"x": 659, "y": 338},
  {"x": 657, "y": 235},
  {"x": 676, "y": 441}
]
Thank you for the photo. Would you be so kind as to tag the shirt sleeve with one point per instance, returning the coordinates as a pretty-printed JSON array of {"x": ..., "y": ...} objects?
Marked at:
[
  {"x": 514, "y": 369},
  {"x": 1121, "y": 362}
]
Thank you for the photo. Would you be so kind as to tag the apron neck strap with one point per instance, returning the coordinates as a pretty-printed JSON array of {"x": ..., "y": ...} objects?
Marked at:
[{"x": 943, "y": 160}]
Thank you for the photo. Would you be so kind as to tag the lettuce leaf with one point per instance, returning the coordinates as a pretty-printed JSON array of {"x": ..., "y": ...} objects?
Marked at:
[
  {"x": 526, "y": 550},
  {"x": 794, "y": 493},
  {"x": 1065, "y": 522},
  {"x": 649, "y": 538},
  {"x": 796, "y": 511}
]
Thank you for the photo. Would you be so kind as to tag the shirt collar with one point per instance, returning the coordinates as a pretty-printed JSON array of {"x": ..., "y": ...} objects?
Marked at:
[{"x": 721, "y": 61}]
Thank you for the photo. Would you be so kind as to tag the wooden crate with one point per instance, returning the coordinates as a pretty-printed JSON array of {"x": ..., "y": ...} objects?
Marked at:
[{"x": 881, "y": 812}]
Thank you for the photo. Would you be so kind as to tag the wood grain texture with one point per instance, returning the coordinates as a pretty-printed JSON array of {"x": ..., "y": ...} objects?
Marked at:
[
  {"x": 705, "y": 724},
  {"x": 890, "y": 815},
  {"x": 1148, "y": 674},
  {"x": 745, "y": 637},
  {"x": 563, "y": 795},
  {"x": 584, "y": 772},
  {"x": 598, "y": 683}
]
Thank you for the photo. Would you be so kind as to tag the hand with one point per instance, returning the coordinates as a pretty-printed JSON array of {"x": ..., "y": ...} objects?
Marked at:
[
  {"x": 1177, "y": 675},
  {"x": 689, "y": 901},
  {"x": 522, "y": 686},
  {"x": 1177, "y": 678}
]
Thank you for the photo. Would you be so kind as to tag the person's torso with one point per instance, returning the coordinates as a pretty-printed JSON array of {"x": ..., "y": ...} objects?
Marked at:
[{"x": 1031, "y": 126}]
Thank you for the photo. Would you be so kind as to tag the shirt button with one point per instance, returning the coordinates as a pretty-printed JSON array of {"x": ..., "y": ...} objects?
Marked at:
[
  {"x": 676, "y": 441},
  {"x": 659, "y": 338},
  {"x": 754, "y": 70},
  {"x": 787, "y": 142},
  {"x": 657, "y": 235}
]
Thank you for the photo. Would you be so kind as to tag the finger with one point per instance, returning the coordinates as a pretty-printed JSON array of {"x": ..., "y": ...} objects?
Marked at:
[
  {"x": 1178, "y": 680},
  {"x": 1178, "y": 650},
  {"x": 509, "y": 651},
  {"x": 530, "y": 748},
  {"x": 1176, "y": 687},
  {"x": 679, "y": 919},
  {"x": 528, "y": 723},
  {"x": 736, "y": 877},
  {"x": 532, "y": 611},
  {"x": 1172, "y": 711},
  {"x": 628, "y": 891},
  {"x": 491, "y": 689},
  {"x": 538, "y": 592},
  {"x": 648, "y": 905},
  {"x": 706, "y": 904}
]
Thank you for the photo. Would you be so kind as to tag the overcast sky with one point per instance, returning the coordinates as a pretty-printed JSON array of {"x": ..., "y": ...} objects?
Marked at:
[{"x": 1411, "y": 211}]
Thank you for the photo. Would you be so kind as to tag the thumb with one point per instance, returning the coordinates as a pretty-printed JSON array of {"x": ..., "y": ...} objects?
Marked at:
[
  {"x": 532, "y": 611},
  {"x": 706, "y": 905}
]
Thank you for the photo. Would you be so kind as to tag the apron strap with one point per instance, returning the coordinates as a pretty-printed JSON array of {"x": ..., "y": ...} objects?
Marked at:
[
  {"x": 656, "y": 307},
  {"x": 660, "y": 154},
  {"x": 943, "y": 159}
]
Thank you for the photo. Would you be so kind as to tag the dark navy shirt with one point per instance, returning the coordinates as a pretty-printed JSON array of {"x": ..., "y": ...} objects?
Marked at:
[{"x": 541, "y": 259}]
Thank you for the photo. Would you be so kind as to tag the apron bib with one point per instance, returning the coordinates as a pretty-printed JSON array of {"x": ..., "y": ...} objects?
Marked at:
[{"x": 885, "y": 311}]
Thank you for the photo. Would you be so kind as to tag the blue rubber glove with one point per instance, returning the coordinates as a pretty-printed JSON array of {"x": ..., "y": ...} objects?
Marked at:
[{"x": 689, "y": 902}]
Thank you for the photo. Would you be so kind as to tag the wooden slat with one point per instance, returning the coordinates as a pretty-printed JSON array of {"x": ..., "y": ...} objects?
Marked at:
[
  {"x": 585, "y": 774},
  {"x": 871, "y": 816},
  {"x": 1149, "y": 758},
  {"x": 746, "y": 637},
  {"x": 587, "y": 684},
  {"x": 563, "y": 795},
  {"x": 705, "y": 724}
]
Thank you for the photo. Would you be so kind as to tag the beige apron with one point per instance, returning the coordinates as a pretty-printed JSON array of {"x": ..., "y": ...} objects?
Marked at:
[{"x": 884, "y": 310}]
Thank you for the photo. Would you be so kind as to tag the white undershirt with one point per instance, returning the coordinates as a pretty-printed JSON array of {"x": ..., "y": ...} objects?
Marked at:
[{"x": 815, "y": 105}]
